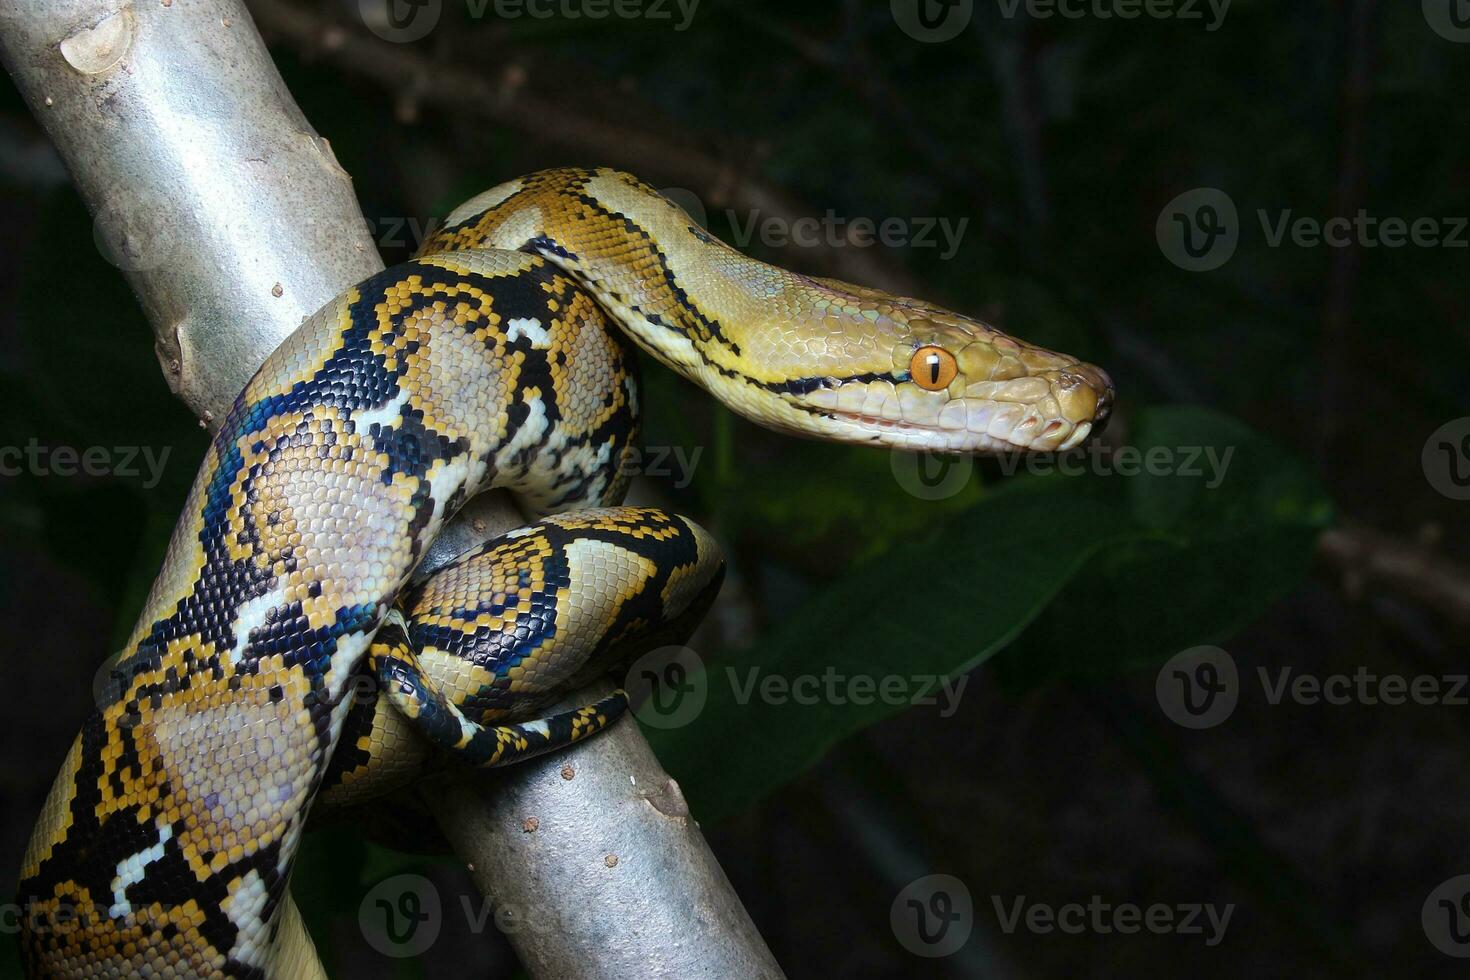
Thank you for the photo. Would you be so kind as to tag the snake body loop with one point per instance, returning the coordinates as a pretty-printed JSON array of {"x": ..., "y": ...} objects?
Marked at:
[{"x": 166, "y": 844}]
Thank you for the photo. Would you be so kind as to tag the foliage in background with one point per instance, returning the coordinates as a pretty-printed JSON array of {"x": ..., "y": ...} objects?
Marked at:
[{"x": 1057, "y": 578}]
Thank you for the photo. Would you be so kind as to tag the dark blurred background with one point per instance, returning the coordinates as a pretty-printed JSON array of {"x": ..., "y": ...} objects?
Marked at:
[{"x": 1130, "y": 190}]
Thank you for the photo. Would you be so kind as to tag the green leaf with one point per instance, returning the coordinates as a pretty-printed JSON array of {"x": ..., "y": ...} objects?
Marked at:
[
  {"x": 1095, "y": 574},
  {"x": 971, "y": 584},
  {"x": 1230, "y": 541}
]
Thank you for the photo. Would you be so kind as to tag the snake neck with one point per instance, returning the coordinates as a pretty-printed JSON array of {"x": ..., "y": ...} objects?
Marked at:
[{"x": 811, "y": 357}]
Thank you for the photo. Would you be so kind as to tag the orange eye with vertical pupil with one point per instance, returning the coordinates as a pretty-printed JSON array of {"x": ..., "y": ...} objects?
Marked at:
[{"x": 933, "y": 368}]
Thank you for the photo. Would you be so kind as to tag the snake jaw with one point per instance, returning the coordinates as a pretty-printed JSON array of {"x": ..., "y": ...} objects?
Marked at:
[
  {"x": 957, "y": 385},
  {"x": 998, "y": 403},
  {"x": 899, "y": 434}
]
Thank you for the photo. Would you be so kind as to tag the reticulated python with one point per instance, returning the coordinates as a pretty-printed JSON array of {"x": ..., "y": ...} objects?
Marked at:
[{"x": 167, "y": 842}]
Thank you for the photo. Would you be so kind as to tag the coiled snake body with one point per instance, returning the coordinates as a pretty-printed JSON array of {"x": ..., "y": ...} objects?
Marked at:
[{"x": 166, "y": 844}]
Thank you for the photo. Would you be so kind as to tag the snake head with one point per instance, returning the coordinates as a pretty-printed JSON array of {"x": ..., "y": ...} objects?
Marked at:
[{"x": 941, "y": 382}]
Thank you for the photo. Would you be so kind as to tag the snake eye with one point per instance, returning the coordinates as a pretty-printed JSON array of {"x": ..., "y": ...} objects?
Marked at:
[{"x": 933, "y": 368}]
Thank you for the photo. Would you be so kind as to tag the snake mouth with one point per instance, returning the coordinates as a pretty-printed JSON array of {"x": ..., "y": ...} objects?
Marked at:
[
  {"x": 1035, "y": 415},
  {"x": 1025, "y": 435}
]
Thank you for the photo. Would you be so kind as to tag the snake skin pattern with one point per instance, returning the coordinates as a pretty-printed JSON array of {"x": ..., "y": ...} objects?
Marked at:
[
  {"x": 166, "y": 844},
  {"x": 626, "y": 581}
]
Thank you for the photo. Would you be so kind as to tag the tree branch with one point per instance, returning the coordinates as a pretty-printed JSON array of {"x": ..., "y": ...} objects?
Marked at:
[
  {"x": 233, "y": 221},
  {"x": 508, "y": 101},
  {"x": 1369, "y": 562}
]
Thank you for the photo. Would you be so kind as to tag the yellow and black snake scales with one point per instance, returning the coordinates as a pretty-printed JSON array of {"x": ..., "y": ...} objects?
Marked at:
[{"x": 166, "y": 844}]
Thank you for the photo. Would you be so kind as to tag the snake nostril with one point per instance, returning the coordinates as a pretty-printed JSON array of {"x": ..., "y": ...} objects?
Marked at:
[{"x": 1104, "y": 410}]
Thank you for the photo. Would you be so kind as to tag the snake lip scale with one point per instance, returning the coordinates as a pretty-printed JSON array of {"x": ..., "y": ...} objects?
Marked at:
[{"x": 286, "y": 667}]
